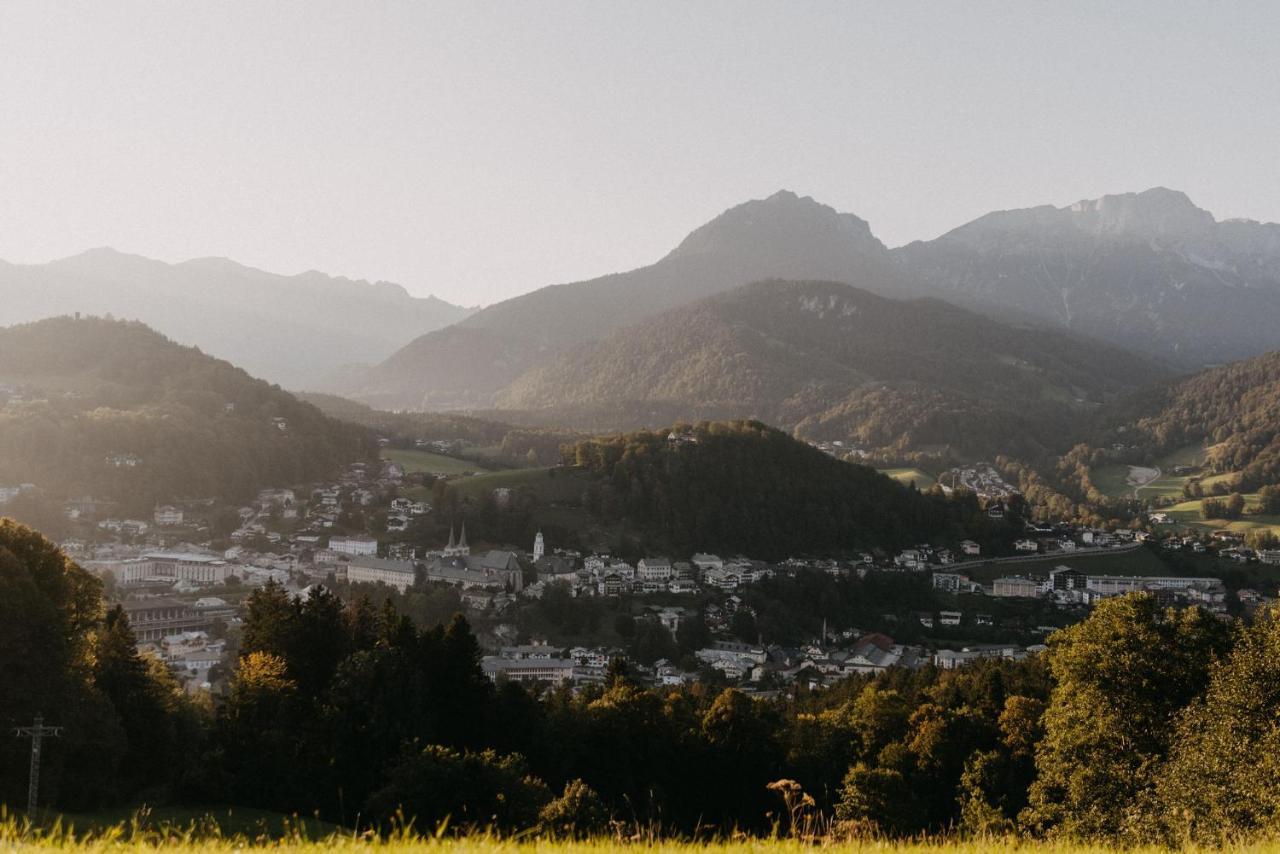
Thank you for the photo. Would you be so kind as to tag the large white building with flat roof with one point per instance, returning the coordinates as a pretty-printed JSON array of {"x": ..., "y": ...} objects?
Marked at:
[{"x": 353, "y": 545}]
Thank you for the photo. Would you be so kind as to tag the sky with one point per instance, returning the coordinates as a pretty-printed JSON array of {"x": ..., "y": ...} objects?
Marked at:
[{"x": 479, "y": 150}]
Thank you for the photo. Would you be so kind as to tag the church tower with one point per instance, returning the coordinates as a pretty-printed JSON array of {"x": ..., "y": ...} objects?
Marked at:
[
  {"x": 539, "y": 547},
  {"x": 463, "y": 548},
  {"x": 457, "y": 547}
]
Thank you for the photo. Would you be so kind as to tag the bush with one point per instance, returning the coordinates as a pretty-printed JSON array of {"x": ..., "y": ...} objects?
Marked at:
[
  {"x": 578, "y": 813},
  {"x": 463, "y": 789}
]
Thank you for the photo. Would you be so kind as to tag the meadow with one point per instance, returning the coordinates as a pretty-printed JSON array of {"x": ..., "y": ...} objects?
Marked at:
[
  {"x": 415, "y": 461},
  {"x": 922, "y": 479},
  {"x": 206, "y": 836}
]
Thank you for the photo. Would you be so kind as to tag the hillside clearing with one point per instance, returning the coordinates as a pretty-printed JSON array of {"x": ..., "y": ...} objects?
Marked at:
[
  {"x": 923, "y": 480},
  {"x": 415, "y": 461}
]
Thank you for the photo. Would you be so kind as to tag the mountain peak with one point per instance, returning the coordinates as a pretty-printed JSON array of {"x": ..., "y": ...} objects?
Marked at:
[
  {"x": 1155, "y": 213},
  {"x": 782, "y": 219}
]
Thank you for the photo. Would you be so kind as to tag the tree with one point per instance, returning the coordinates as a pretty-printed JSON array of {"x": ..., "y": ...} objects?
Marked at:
[
  {"x": 1121, "y": 677},
  {"x": 579, "y": 813},
  {"x": 1222, "y": 780}
]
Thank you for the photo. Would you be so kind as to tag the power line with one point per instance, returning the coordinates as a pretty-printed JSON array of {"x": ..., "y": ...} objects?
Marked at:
[{"x": 37, "y": 732}]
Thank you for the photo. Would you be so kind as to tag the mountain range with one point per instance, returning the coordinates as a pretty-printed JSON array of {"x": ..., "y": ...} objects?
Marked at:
[
  {"x": 1090, "y": 300},
  {"x": 297, "y": 331},
  {"x": 1147, "y": 271}
]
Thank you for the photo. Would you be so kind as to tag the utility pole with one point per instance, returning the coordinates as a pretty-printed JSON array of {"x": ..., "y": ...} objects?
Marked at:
[{"x": 37, "y": 733}]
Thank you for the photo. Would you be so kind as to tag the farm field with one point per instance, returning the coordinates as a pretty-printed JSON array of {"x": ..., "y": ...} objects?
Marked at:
[
  {"x": 1113, "y": 480},
  {"x": 923, "y": 479},
  {"x": 414, "y": 461},
  {"x": 1186, "y": 514},
  {"x": 1142, "y": 561}
]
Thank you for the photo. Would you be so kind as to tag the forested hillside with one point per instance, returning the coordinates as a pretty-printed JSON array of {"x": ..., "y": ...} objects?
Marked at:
[
  {"x": 116, "y": 411},
  {"x": 745, "y": 488},
  {"x": 836, "y": 362},
  {"x": 1234, "y": 410}
]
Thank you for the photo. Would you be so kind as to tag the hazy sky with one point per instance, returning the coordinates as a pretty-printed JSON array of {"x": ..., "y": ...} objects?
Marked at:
[{"x": 478, "y": 150}]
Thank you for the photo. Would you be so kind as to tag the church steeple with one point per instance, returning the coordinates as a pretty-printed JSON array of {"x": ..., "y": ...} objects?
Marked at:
[
  {"x": 449, "y": 548},
  {"x": 462, "y": 543}
]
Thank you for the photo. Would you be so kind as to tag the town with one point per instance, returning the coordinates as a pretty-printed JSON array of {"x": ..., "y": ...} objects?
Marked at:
[{"x": 184, "y": 594}]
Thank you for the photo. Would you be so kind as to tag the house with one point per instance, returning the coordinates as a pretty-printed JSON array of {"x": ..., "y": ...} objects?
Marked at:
[
  {"x": 654, "y": 569},
  {"x": 706, "y": 562},
  {"x": 949, "y": 581},
  {"x": 1026, "y": 545},
  {"x": 969, "y": 547},
  {"x": 168, "y": 516},
  {"x": 871, "y": 654},
  {"x": 949, "y": 618}
]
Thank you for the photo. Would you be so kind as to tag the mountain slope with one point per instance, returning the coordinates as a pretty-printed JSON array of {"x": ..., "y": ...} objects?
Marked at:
[
  {"x": 1147, "y": 271},
  {"x": 781, "y": 236},
  {"x": 115, "y": 410},
  {"x": 838, "y": 362},
  {"x": 293, "y": 330},
  {"x": 1233, "y": 409}
]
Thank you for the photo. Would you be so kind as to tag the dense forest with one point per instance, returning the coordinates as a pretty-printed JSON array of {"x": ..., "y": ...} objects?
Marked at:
[
  {"x": 743, "y": 487},
  {"x": 114, "y": 410},
  {"x": 1138, "y": 725},
  {"x": 1232, "y": 410}
]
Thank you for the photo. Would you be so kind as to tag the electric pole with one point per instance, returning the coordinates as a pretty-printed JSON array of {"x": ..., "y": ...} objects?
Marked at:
[{"x": 37, "y": 733}]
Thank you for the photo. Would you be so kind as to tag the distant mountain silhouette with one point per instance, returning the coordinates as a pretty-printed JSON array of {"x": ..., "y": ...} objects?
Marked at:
[{"x": 293, "y": 330}]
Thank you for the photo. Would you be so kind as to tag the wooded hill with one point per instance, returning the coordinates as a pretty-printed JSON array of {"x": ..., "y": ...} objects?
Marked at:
[
  {"x": 742, "y": 487},
  {"x": 116, "y": 411},
  {"x": 836, "y": 362}
]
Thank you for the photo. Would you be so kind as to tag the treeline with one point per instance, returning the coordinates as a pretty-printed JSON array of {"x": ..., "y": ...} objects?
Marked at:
[
  {"x": 128, "y": 730},
  {"x": 743, "y": 487},
  {"x": 1140, "y": 725},
  {"x": 116, "y": 411}
]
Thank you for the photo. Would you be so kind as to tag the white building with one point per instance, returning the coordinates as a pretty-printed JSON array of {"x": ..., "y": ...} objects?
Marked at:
[
  {"x": 353, "y": 545},
  {"x": 654, "y": 569},
  {"x": 539, "y": 547},
  {"x": 168, "y": 515},
  {"x": 365, "y": 569}
]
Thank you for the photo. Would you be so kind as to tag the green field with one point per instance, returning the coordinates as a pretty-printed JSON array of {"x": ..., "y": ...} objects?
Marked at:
[
  {"x": 923, "y": 479},
  {"x": 1143, "y": 561},
  {"x": 414, "y": 462},
  {"x": 1112, "y": 479},
  {"x": 1187, "y": 514}
]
